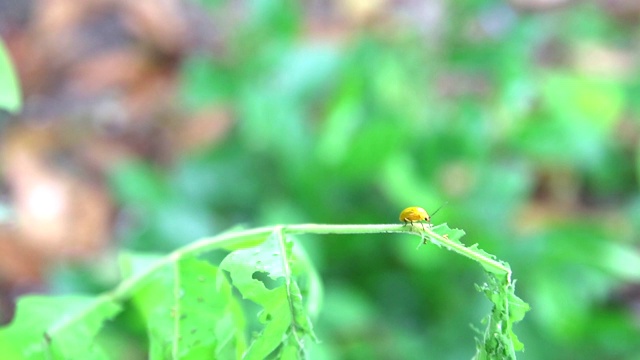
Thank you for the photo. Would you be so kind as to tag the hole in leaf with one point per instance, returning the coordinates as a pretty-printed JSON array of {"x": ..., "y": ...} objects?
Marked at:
[{"x": 268, "y": 282}]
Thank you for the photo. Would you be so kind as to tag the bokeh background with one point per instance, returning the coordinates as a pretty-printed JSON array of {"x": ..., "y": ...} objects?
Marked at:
[{"x": 148, "y": 124}]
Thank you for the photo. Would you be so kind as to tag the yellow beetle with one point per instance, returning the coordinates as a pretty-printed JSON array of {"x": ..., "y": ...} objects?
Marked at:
[{"x": 415, "y": 213}]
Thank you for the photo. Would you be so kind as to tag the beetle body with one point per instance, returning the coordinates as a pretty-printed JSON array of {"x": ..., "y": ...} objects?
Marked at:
[
  {"x": 418, "y": 214},
  {"x": 414, "y": 213}
]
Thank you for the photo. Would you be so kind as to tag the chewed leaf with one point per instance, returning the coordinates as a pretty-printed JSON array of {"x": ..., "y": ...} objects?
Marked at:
[
  {"x": 283, "y": 314},
  {"x": 448, "y": 238},
  {"x": 499, "y": 339},
  {"x": 517, "y": 308},
  {"x": 270, "y": 257},
  {"x": 491, "y": 269},
  {"x": 452, "y": 234}
]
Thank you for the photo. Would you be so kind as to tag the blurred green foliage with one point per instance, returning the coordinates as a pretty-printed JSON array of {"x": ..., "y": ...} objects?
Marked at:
[
  {"x": 537, "y": 156},
  {"x": 10, "y": 98}
]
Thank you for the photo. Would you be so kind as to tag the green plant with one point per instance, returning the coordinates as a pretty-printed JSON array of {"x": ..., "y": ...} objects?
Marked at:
[{"x": 190, "y": 307}]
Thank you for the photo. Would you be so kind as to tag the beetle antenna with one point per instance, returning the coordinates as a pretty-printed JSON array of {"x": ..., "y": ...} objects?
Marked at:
[{"x": 438, "y": 209}]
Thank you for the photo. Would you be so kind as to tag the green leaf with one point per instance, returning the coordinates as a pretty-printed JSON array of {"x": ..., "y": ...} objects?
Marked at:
[
  {"x": 59, "y": 327},
  {"x": 517, "y": 307},
  {"x": 450, "y": 239},
  {"x": 453, "y": 234},
  {"x": 499, "y": 341},
  {"x": 10, "y": 98},
  {"x": 283, "y": 314},
  {"x": 190, "y": 310}
]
